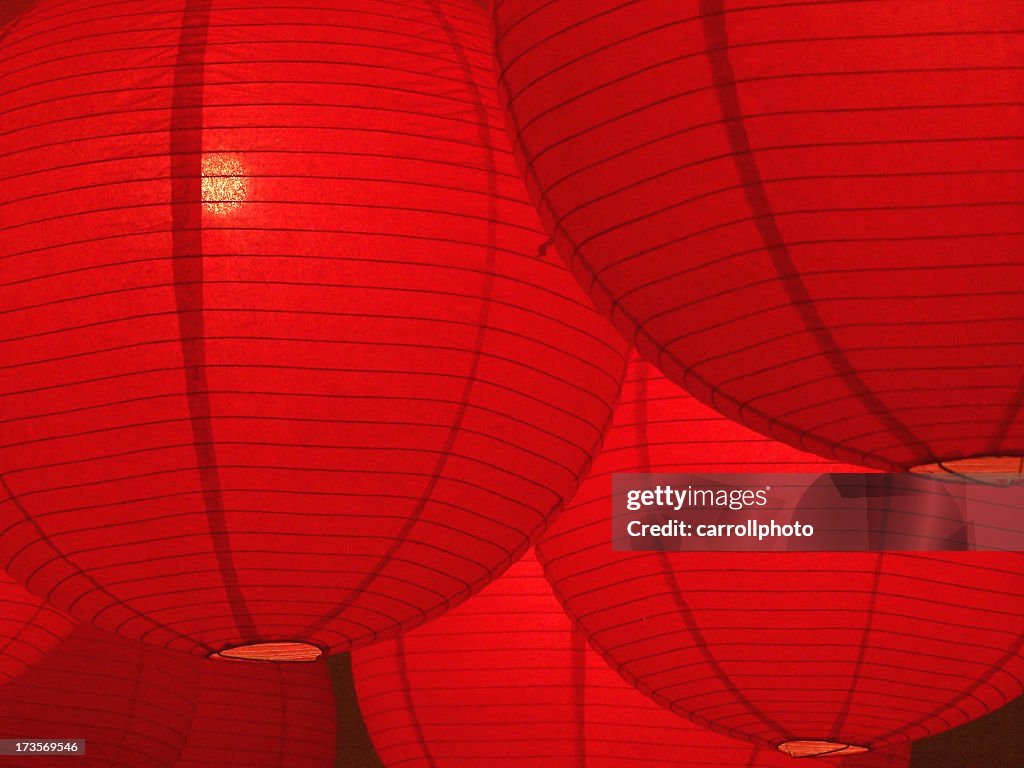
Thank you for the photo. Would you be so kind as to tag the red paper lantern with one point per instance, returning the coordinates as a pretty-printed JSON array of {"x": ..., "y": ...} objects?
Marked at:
[
  {"x": 29, "y": 629},
  {"x": 251, "y": 716},
  {"x": 284, "y": 369},
  {"x": 504, "y": 679},
  {"x": 803, "y": 651},
  {"x": 808, "y": 214},
  {"x": 131, "y": 704}
]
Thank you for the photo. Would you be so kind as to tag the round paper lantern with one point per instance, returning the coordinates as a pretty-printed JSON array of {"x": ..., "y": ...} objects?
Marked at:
[
  {"x": 29, "y": 629},
  {"x": 808, "y": 214},
  {"x": 808, "y": 652},
  {"x": 285, "y": 369},
  {"x": 131, "y": 704},
  {"x": 254, "y": 716},
  {"x": 505, "y": 679}
]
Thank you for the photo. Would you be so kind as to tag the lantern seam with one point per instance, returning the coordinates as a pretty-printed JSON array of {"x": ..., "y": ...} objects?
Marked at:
[
  {"x": 724, "y": 80},
  {"x": 486, "y": 145},
  {"x": 186, "y": 174},
  {"x": 78, "y": 572},
  {"x": 402, "y": 669}
]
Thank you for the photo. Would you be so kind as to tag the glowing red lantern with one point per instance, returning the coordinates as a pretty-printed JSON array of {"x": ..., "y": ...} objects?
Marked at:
[
  {"x": 504, "y": 678},
  {"x": 808, "y": 214},
  {"x": 132, "y": 705},
  {"x": 284, "y": 371},
  {"x": 251, "y": 716},
  {"x": 29, "y": 629},
  {"x": 805, "y": 651}
]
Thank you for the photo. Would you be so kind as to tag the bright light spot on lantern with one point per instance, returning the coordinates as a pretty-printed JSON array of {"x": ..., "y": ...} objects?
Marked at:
[{"x": 225, "y": 186}]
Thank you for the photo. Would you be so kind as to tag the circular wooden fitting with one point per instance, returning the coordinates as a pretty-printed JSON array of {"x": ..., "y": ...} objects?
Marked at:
[
  {"x": 811, "y": 748},
  {"x": 990, "y": 470},
  {"x": 275, "y": 652}
]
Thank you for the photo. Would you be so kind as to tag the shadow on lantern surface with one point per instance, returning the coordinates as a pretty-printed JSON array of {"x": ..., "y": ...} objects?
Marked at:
[
  {"x": 131, "y": 704},
  {"x": 806, "y": 213},
  {"x": 29, "y": 629},
  {"x": 868, "y": 649},
  {"x": 284, "y": 366},
  {"x": 262, "y": 716},
  {"x": 505, "y": 679}
]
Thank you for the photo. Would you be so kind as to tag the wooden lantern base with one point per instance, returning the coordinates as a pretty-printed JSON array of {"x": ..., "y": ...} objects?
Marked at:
[
  {"x": 990, "y": 470},
  {"x": 811, "y": 748},
  {"x": 270, "y": 652}
]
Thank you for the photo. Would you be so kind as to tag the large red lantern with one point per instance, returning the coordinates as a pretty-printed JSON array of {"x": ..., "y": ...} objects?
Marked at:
[
  {"x": 505, "y": 679},
  {"x": 29, "y": 629},
  {"x": 131, "y": 705},
  {"x": 254, "y": 716},
  {"x": 284, "y": 369},
  {"x": 808, "y": 214},
  {"x": 808, "y": 652}
]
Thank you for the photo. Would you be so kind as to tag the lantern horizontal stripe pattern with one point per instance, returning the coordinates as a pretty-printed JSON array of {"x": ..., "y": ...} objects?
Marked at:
[
  {"x": 807, "y": 213},
  {"x": 283, "y": 359},
  {"x": 131, "y": 704},
  {"x": 504, "y": 679},
  {"x": 29, "y": 629},
  {"x": 261, "y": 716},
  {"x": 869, "y": 649}
]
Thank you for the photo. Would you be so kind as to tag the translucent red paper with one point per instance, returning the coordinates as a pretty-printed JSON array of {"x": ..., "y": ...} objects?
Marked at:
[
  {"x": 807, "y": 213},
  {"x": 282, "y": 356},
  {"x": 861, "y": 648},
  {"x": 505, "y": 680}
]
